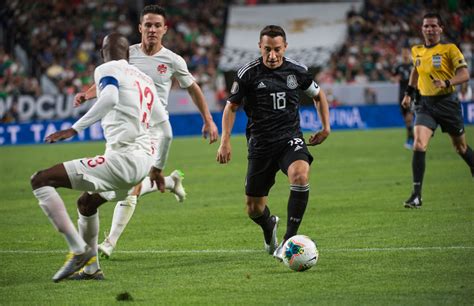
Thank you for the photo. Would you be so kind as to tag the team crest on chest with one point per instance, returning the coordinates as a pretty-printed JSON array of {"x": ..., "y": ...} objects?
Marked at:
[
  {"x": 291, "y": 81},
  {"x": 162, "y": 68}
]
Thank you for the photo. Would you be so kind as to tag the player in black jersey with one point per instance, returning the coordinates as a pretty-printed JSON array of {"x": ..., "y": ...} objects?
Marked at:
[
  {"x": 402, "y": 74},
  {"x": 268, "y": 88}
]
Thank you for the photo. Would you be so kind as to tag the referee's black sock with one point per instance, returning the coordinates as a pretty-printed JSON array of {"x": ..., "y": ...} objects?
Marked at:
[
  {"x": 468, "y": 157},
  {"x": 418, "y": 168},
  {"x": 265, "y": 222},
  {"x": 296, "y": 207}
]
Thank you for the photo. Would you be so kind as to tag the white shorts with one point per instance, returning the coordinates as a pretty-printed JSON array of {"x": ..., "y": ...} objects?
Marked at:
[{"x": 113, "y": 171}]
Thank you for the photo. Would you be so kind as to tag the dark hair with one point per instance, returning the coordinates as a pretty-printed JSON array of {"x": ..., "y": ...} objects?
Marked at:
[
  {"x": 434, "y": 15},
  {"x": 273, "y": 31},
  {"x": 153, "y": 9}
]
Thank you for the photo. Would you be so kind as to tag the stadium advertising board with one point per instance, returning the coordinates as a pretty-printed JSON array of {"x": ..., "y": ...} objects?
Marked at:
[
  {"x": 345, "y": 117},
  {"x": 54, "y": 107}
]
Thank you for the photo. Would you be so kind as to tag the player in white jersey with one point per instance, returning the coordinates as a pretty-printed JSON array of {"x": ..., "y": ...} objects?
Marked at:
[
  {"x": 161, "y": 65},
  {"x": 126, "y": 101}
]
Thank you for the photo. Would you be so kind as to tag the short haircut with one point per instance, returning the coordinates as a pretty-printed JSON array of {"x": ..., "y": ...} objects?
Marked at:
[
  {"x": 273, "y": 31},
  {"x": 434, "y": 15},
  {"x": 153, "y": 9}
]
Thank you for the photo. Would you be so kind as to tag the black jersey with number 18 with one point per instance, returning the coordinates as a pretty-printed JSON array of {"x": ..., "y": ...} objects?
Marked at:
[{"x": 271, "y": 99}]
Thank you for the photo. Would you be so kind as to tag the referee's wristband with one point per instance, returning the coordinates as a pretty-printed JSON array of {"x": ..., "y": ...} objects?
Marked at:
[
  {"x": 410, "y": 91},
  {"x": 448, "y": 83}
]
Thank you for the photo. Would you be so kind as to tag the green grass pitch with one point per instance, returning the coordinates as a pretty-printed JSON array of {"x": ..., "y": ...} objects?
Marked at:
[{"x": 206, "y": 251}]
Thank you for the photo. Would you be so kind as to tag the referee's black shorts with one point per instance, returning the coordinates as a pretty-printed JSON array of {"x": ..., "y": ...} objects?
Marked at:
[
  {"x": 261, "y": 172},
  {"x": 444, "y": 110}
]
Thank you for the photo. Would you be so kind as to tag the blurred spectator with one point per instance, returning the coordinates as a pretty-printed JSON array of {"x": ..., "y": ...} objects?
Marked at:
[
  {"x": 370, "y": 96},
  {"x": 377, "y": 33},
  {"x": 465, "y": 92}
]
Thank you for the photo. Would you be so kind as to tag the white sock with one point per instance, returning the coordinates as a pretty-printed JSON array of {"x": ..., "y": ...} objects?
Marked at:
[
  {"x": 146, "y": 185},
  {"x": 122, "y": 214},
  {"x": 53, "y": 206},
  {"x": 89, "y": 231},
  {"x": 169, "y": 183}
]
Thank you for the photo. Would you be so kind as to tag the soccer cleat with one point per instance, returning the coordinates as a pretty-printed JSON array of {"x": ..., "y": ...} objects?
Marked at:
[
  {"x": 271, "y": 247},
  {"x": 409, "y": 144},
  {"x": 414, "y": 201},
  {"x": 280, "y": 251},
  {"x": 106, "y": 248},
  {"x": 74, "y": 262},
  {"x": 82, "y": 275},
  {"x": 178, "y": 190}
]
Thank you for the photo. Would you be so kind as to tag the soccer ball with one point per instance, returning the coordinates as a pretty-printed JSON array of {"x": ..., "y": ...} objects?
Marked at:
[{"x": 300, "y": 253}]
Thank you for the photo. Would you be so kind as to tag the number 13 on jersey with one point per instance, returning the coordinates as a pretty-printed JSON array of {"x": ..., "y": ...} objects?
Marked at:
[{"x": 149, "y": 98}]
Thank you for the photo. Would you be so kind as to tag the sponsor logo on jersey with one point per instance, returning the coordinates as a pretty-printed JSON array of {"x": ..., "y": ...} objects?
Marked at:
[
  {"x": 162, "y": 68},
  {"x": 298, "y": 147},
  {"x": 436, "y": 60},
  {"x": 291, "y": 81},
  {"x": 235, "y": 88},
  {"x": 261, "y": 85}
]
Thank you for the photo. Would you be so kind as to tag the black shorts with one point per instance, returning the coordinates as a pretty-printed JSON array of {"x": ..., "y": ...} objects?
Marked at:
[
  {"x": 444, "y": 110},
  {"x": 261, "y": 172}
]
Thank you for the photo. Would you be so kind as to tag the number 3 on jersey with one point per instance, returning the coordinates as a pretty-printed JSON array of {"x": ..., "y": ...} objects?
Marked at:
[
  {"x": 149, "y": 98},
  {"x": 279, "y": 100}
]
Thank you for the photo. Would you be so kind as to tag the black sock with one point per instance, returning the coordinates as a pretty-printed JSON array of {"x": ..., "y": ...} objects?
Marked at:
[
  {"x": 296, "y": 206},
  {"x": 265, "y": 222},
  {"x": 418, "y": 168},
  {"x": 468, "y": 157},
  {"x": 410, "y": 132}
]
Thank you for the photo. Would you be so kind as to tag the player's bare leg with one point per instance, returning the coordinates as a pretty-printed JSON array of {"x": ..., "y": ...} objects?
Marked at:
[
  {"x": 259, "y": 212},
  {"x": 298, "y": 176},
  {"x": 422, "y": 138},
  {"x": 44, "y": 184},
  {"x": 464, "y": 150},
  {"x": 88, "y": 225}
]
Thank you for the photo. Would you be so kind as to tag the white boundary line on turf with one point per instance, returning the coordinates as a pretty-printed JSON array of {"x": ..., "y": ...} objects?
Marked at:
[{"x": 329, "y": 250}]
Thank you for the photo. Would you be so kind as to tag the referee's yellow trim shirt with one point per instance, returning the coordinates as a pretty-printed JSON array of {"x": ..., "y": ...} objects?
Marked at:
[{"x": 436, "y": 62}]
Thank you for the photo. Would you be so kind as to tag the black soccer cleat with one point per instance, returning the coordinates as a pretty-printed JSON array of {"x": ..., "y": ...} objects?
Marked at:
[
  {"x": 82, "y": 275},
  {"x": 414, "y": 201}
]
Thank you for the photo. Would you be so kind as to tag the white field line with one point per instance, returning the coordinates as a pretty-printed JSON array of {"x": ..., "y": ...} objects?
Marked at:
[{"x": 322, "y": 250}]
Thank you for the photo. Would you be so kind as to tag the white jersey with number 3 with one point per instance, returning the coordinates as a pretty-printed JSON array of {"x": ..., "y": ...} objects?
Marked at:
[
  {"x": 126, "y": 125},
  {"x": 162, "y": 67}
]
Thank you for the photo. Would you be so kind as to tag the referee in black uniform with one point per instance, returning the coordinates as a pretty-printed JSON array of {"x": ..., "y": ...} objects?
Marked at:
[
  {"x": 437, "y": 68},
  {"x": 268, "y": 88}
]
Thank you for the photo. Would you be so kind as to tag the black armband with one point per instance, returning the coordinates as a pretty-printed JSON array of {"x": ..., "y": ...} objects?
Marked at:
[
  {"x": 448, "y": 83},
  {"x": 410, "y": 91}
]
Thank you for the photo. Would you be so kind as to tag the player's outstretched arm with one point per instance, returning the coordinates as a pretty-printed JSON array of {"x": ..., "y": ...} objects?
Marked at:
[
  {"x": 82, "y": 97},
  {"x": 209, "y": 128},
  {"x": 322, "y": 106},
  {"x": 60, "y": 135},
  {"x": 224, "y": 153}
]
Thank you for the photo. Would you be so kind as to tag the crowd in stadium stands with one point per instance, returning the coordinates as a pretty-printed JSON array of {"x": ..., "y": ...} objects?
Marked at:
[
  {"x": 381, "y": 29},
  {"x": 54, "y": 47}
]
